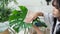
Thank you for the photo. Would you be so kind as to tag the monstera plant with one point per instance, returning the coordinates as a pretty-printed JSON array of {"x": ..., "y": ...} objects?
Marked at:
[
  {"x": 17, "y": 19},
  {"x": 4, "y": 14},
  {"x": 4, "y": 10}
]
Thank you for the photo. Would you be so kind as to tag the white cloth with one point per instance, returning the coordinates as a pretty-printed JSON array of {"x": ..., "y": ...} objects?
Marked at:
[
  {"x": 4, "y": 26},
  {"x": 49, "y": 21},
  {"x": 48, "y": 18}
]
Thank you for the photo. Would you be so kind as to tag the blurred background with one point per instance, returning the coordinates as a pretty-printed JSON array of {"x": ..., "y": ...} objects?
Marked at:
[{"x": 31, "y": 5}]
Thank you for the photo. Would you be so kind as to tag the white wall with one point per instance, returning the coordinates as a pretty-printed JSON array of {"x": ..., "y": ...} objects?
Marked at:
[{"x": 34, "y": 5}]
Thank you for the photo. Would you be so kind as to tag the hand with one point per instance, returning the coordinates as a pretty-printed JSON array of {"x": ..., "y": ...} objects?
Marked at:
[{"x": 31, "y": 16}]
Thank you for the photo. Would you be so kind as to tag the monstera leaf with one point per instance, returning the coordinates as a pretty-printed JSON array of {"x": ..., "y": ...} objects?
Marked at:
[{"x": 17, "y": 18}]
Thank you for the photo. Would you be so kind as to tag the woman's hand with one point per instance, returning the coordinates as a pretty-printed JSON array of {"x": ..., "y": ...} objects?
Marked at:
[{"x": 31, "y": 16}]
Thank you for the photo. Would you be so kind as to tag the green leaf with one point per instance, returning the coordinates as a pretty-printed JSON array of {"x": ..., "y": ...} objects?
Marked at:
[
  {"x": 4, "y": 14},
  {"x": 14, "y": 15},
  {"x": 16, "y": 28},
  {"x": 24, "y": 11}
]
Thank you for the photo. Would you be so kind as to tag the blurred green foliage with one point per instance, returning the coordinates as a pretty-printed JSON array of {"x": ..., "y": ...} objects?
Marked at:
[{"x": 4, "y": 10}]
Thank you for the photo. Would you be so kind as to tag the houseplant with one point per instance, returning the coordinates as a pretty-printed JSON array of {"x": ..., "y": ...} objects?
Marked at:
[
  {"x": 16, "y": 19},
  {"x": 4, "y": 15}
]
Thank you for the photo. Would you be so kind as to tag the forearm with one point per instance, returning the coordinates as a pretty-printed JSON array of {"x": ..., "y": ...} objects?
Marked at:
[{"x": 37, "y": 29}]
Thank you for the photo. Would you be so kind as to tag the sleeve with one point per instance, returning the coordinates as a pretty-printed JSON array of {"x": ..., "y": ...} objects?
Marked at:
[{"x": 48, "y": 19}]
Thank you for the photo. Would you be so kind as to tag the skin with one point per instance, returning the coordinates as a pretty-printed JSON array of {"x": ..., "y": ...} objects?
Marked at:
[
  {"x": 32, "y": 15},
  {"x": 56, "y": 13}
]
